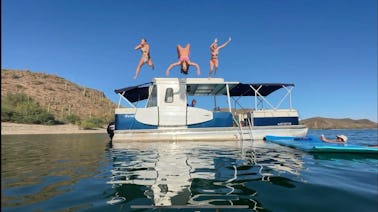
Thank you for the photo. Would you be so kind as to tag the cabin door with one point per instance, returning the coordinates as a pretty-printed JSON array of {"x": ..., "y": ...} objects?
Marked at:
[{"x": 172, "y": 104}]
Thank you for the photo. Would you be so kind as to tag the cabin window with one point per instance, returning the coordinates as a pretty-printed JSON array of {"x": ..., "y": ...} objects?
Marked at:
[{"x": 169, "y": 95}]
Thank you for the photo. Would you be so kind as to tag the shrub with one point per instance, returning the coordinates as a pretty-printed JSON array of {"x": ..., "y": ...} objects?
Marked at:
[
  {"x": 73, "y": 119},
  {"x": 92, "y": 123},
  {"x": 20, "y": 108}
]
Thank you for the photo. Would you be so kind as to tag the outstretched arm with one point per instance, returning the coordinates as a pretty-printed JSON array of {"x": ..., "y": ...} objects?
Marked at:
[
  {"x": 170, "y": 67},
  {"x": 197, "y": 67},
  {"x": 323, "y": 138},
  {"x": 214, "y": 42},
  {"x": 138, "y": 47},
  {"x": 223, "y": 45}
]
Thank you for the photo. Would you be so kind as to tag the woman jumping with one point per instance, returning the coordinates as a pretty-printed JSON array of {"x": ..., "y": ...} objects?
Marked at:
[
  {"x": 184, "y": 61},
  {"x": 214, "y": 50},
  {"x": 146, "y": 58}
]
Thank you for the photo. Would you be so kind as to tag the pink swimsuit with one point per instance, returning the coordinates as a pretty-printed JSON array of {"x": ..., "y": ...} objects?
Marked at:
[{"x": 184, "y": 58}]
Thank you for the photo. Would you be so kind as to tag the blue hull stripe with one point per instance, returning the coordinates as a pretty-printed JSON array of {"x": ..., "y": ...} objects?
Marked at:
[
  {"x": 128, "y": 122},
  {"x": 220, "y": 119},
  {"x": 271, "y": 121}
]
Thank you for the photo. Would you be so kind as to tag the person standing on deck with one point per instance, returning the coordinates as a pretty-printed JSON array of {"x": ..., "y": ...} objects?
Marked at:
[
  {"x": 146, "y": 57},
  {"x": 193, "y": 104},
  {"x": 214, "y": 50}
]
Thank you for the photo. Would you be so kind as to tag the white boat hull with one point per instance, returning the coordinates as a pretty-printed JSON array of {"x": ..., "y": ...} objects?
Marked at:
[{"x": 206, "y": 134}]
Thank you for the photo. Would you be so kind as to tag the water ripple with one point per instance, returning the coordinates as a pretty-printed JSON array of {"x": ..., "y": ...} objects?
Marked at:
[{"x": 85, "y": 172}]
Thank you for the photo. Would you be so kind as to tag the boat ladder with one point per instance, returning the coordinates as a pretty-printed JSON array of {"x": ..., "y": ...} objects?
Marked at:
[
  {"x": 237, "y": 122},
  {"x": 250, "y": 129},
  {"x": 242, "y": 131}
]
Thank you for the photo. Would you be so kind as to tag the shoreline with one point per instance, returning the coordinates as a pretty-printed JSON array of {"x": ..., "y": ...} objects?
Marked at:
[{"x": 8, "y": 128}]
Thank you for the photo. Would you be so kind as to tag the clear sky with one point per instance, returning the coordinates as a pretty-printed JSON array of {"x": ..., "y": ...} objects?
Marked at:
[{"x": 327, "y": 48}]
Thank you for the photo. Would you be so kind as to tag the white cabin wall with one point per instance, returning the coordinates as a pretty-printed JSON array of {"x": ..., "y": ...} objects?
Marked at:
[{"x": 171, "y": 113}]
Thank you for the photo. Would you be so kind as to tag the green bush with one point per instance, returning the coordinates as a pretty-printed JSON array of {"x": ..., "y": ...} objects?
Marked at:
[
  {"x": 92, "y": 123},
  {"x": 73, "y": 119},
  {"x": 6, "y": 113},
  {"x": 20, "y": 108}
]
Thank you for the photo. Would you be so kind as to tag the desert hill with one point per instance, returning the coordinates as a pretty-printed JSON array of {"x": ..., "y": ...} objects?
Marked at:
[
  {"x": 58, "y": 95},
  {"x": 347, "y": 123}
]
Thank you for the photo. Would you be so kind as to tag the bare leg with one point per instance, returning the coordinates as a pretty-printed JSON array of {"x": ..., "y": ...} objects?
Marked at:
[
  {"x": 150, "y": 63},
  {"x": 215, "y": 67},
  {"x": 141, "y": 62},
  {"x": 211, "y": 68}
]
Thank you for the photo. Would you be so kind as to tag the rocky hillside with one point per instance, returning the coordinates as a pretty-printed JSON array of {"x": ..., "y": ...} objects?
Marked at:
[
  {"x": 329, "y": 123},
  {"x": 58, "y": 95}
]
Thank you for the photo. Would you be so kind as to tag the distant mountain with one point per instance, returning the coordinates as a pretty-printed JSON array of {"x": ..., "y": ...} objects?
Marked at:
[
  {"x": 58, "y": 95},
  {"x": 329, "y": 123}
]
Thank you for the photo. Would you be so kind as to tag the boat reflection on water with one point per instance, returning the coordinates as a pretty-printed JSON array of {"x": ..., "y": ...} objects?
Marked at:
[{"x": 195, "y": 173}]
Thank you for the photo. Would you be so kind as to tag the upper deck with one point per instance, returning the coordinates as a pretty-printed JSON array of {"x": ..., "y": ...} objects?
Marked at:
[{"x": 201, "y": 87}]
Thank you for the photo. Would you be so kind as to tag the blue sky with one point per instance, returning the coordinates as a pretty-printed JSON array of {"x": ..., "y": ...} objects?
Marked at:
[{"x": 327, "y": 48}]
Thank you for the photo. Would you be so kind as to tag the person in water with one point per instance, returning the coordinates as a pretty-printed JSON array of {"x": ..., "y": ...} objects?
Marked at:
[
  {"x": 146, "y": 57},
  {"x": 214, "y": 50},
  {"x": 339, "y": 139},
  {"x": 184, "y": 61}
]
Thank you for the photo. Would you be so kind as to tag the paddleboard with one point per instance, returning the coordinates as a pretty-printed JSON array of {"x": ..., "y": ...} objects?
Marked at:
[{"x": 314, "y": 144}]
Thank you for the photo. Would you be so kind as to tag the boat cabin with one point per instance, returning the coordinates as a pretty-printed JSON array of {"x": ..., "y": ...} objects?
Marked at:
[{"x": 167, "y": 105}]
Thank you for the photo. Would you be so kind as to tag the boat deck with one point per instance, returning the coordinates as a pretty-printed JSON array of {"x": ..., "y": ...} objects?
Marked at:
[{"x": 207, "y": 134}]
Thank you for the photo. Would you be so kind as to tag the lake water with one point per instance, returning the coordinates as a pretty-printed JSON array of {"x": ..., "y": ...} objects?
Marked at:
[{"x": 83, "y": 172}]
